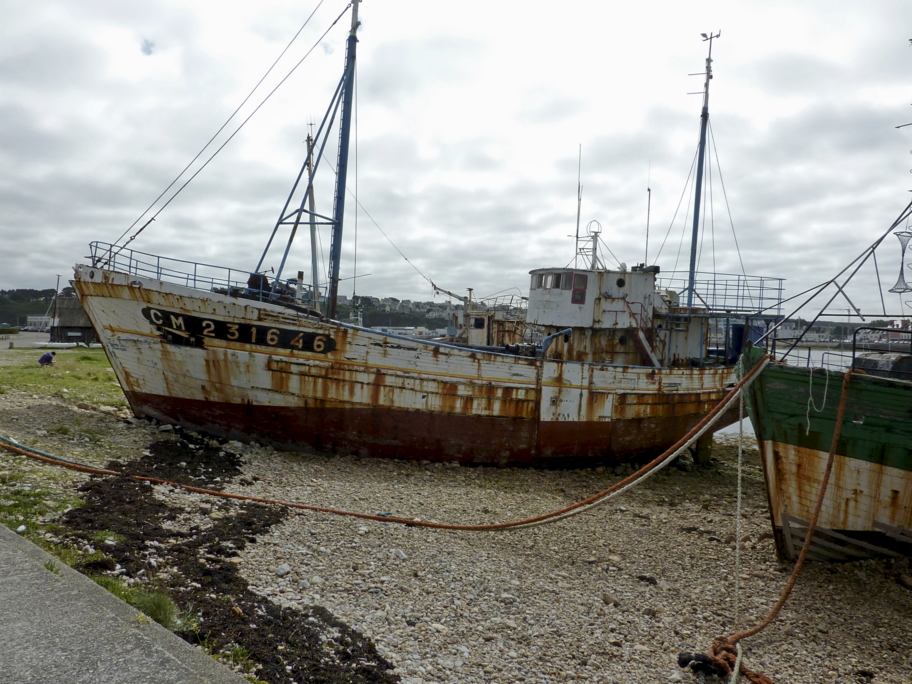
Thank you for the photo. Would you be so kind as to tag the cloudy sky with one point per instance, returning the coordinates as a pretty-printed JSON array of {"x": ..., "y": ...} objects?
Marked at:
[{"x": 470, "y": 119}]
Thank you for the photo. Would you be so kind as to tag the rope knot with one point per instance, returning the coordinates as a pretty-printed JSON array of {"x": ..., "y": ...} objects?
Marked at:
[
  {"x": 724, "y": 653},
  {"x": 721, "y": 661}
]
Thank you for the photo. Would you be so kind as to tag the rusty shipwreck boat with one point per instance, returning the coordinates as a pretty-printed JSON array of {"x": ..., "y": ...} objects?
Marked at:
[
  {"x": 619, "y": 367},
  {"x": 866, "y": 507}
]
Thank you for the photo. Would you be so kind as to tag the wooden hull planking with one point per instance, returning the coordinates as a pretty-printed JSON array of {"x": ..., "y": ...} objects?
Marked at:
[{"x": 869, "y": 495}]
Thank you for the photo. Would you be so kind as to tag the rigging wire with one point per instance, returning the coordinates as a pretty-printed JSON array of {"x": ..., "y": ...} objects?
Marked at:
[
  {"x": 684, "y": 193},
  {"x": 731, "y": 220},
  {"x": 712, "y": 218},
  {"x": 383, "y": 233},
  {"x": 706, "y": 202},
  {"x": 690, "y": 196},
  {"x": 227, "y": 121},
  {"x": 879, "y": 286},
  {"x": 230, "y": 138},
  {"x": 860, "y": 260}
]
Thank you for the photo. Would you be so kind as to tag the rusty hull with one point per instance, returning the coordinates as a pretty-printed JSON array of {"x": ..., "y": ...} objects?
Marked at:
[{"x": 235, "y": 367}]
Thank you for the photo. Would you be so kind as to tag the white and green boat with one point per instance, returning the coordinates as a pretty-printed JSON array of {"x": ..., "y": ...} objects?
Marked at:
[{"x": 867, "y": 508}]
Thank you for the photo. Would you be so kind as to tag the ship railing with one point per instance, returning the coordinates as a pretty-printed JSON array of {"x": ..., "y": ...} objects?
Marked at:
[
  {"x": 512, "y": 305},
  {"x": 781, "y": 349},
  {"x": 838, "y": 360},
  {"x": 728, "y": 293},
  {"x": 193, "y": 274}
]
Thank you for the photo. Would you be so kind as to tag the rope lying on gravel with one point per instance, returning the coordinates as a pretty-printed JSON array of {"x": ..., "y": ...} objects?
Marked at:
[
  {"x": 725, "y": 652},
  {"x": 643, "y": 473}
]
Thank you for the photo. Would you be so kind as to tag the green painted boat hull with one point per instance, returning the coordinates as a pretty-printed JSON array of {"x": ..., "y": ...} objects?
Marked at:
[{"x": 868, "y": 504}]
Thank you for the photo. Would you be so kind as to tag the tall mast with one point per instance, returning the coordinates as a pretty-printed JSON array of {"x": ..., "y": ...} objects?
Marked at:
[
  {"x": 314, "y": 275},
  {"x": 704, "y": 120},
  {"x": 335, "y": 252}
]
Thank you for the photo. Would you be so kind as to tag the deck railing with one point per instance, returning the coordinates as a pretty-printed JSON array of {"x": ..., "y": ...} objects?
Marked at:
[
  {"x": 729, "y": 293},
  {"x": 193, "y": 274}
]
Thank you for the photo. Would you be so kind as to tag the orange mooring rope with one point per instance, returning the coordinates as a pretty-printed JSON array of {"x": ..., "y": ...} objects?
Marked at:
[{"x": 724, "y": 653}]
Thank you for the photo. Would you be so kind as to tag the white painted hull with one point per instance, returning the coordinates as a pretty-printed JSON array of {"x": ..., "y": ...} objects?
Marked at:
[{"x": 238, "y": 367}]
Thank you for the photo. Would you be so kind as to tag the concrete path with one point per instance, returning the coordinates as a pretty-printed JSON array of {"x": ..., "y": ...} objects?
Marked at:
[{"x": 65, "y": 629}]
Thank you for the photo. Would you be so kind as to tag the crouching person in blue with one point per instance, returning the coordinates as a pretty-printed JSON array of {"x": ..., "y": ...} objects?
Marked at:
[{"x": 47, "y": 359}]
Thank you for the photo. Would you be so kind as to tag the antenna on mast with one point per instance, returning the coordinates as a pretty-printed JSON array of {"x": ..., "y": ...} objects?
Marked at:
[
  {"x": 579, "y": 197},
  {"x": 648, "y": 209}
]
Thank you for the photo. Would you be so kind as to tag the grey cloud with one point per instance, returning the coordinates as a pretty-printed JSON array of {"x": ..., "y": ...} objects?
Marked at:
[
  {"x": 794, "y": 74},
  {"x": 51, "y": 64},
  {"x": 543, "y": 108},
  {"x": 396, "y": 71}
]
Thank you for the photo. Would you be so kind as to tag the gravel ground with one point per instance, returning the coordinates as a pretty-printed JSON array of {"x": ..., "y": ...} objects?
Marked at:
[
  {"x": 607, "y": 596},
  {"x": 611, "y": 595}
]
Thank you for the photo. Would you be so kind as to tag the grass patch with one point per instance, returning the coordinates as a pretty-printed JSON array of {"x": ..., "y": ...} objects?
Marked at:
[
  {"x": 113, "y": 585},
  {"x": 158, "y": 606},
  {"x": 238, "y": 656},
  {"x": 22, "y": 505},
  {"x": 8, "y": 477},
  {"x": 51, "y": 566},
  {"x": 29, "y": 505},
  {"x": 81, "y": 375},
  {"x": 104, "y": 535},
  {"x": 155, "y": 604},
  {"x": 67, "y": 554}
]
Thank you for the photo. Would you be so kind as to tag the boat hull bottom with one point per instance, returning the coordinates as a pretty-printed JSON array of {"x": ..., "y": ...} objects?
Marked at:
[
  {"x": 834, "y": 545},
  {"x": 421, "y": 435},
  {"x": 864, "y": 513}
]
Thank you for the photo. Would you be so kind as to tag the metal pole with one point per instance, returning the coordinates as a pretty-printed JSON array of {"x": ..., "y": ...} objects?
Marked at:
[
  {"x": 335, "y": 253},
  {"x": 704, "y": 120},
  {"x": 314, "y": 287}
]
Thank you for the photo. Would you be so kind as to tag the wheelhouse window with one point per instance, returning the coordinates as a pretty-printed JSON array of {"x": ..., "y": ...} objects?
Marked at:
[
  {"x": 548, "y": 281},
  {"x": 536, "y": 281},
  {"x": 566, "y": 281},
  {"x": 578, "y": 295}
]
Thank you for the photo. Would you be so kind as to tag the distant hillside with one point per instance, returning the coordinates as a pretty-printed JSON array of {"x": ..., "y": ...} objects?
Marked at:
[
  {"x": 402, "y": 320},
  {"x": 17, "y": 305}
]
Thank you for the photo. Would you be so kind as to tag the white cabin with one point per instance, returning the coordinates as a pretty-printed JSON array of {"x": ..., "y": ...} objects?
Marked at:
[{"x": 617, "y": 317}]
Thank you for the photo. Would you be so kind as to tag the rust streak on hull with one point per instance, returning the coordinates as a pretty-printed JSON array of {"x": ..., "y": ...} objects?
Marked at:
[{"x": 390, "y": 433}]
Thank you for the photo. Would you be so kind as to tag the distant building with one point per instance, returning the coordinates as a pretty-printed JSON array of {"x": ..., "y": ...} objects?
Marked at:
[
  {"x": 39, "y": 323},
  {"x": 70, "y": 322}
]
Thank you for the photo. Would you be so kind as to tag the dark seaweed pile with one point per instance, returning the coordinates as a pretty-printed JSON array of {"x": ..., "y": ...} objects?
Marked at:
[{"x": 289, "y": 645}]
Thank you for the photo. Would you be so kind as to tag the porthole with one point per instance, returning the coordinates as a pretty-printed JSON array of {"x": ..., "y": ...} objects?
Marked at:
[{"x": 621, "y": 282}]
